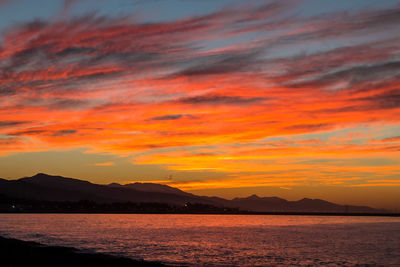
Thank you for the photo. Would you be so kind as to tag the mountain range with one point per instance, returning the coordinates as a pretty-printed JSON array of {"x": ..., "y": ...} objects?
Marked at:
[{"x": 45, "y": 187}]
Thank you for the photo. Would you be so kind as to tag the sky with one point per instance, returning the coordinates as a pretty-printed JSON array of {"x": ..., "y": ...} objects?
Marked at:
[{"x": 228, "y": 98}]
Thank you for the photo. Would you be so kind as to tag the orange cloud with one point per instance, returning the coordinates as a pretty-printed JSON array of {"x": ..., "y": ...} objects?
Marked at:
[
  {"x": 260, "y": 112},
  {"x": 105, "y": 164}
]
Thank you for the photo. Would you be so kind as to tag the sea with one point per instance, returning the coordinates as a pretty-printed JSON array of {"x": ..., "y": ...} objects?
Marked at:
[{"x": 219, "y": 240}]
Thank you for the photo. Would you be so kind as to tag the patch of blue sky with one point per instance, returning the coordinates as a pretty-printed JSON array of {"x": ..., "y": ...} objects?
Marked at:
[
  {"x": 360, "y": 134},
  {"x": 310, "y": 8},
  {"x": 370, "y": 161},
  {"x": 146, "y": 11},
  {"x": 153, "y": 11},
  {"x": 388, "y": 131},
  {"x": 5, "y": 136},
  {"x": 229, "y": 41},
  {"x": 22, "y": 11},
  {"x": 321, "y": 45}
]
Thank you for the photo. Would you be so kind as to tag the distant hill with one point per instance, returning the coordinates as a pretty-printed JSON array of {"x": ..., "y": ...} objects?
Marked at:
[
  {"x": 276, "y": 204},
  {"x": 57, "y": 188}
]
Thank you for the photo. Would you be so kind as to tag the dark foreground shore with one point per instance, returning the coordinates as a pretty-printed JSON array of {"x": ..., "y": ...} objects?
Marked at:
[{"x": 17, "y": 253}]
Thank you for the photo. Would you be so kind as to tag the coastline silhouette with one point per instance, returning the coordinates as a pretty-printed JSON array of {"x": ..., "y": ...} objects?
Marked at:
[{"x": 48, "y": 193}]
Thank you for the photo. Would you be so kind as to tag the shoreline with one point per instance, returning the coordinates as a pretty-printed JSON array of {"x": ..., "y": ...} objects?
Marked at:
[
  {"x": 19, "y": 253},
  {"x": 238, "y": 213}
]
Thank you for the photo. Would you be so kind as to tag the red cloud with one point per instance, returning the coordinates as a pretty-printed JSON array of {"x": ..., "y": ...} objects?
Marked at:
[{"x": 117, "y": 85}]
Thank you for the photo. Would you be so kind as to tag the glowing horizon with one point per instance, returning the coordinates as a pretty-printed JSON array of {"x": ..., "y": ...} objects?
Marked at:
[{"x": 214, "y": 98}]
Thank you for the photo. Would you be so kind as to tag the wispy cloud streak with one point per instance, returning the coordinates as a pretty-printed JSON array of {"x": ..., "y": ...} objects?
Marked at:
[{"x": 234, "y": 77}]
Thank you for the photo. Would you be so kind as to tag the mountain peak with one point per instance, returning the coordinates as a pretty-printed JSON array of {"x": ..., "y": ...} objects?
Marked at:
[
  {"x": 53, "y": 180},
  {"x": 45, "y": 175},
  {"x": 41, "y": 174}
]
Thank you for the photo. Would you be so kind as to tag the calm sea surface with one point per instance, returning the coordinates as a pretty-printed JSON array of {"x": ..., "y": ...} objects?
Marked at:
[{"x": 222, "y": 240}]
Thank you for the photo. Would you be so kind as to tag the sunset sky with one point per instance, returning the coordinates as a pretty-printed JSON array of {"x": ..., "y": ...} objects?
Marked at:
[{"x": 229, "y": 98}]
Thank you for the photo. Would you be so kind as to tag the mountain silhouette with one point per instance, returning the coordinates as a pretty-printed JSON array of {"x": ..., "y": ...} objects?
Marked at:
[
  {"x": 57, "y": 188},
  {"x": 277, "y": 204},
  {"x": 152, "y": 187},
  {"x": 46, "y": 187}
]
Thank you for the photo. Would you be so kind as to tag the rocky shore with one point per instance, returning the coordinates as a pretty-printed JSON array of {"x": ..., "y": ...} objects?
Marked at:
[{"x": 17, "y": 253}]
